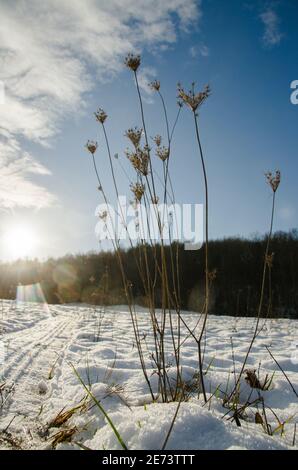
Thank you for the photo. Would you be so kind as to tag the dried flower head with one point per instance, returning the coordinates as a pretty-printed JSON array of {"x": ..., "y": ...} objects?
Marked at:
[
  {"x": 163, "y": 153},
  {"x": 269, "y": 260},
  {"x": 157, "y": 139},
  {"x": 273, "y": 180},
  {"x": 192, "y": 99},
  {"x": 155, "y": 200},
  {"x": 155, "y": 85},
  {"x": 180, "y": 103},
  {"x": 91, "y": 146},
  {"x": 212, "y": 275},
  {"x": 134, "y": 135},
  {"x": 132, "y": 61},
  {"x": 100, "y": 115},
  {"x": 139, "y": 160},
  {"x": 138, "y": 190},
  {"x": 103, "y": 215}
]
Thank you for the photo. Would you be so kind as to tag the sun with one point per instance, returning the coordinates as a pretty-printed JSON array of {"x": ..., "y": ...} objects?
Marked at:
[{"x": 20, "y": 242}]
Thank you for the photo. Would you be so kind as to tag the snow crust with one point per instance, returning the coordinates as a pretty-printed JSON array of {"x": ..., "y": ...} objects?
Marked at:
[{"x": 39, "y": 346}]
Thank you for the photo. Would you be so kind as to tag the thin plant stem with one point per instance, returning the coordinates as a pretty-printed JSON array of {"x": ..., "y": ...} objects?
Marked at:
[
  {"x": 260, "y": 306},
  {"x": 206, "y": 254}
]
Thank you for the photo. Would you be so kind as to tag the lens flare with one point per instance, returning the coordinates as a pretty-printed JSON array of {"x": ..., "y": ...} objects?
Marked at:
[{"x": 31, "y": 293}]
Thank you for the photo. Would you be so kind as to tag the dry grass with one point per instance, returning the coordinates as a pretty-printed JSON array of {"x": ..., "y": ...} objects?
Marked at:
[
  {"x": 63, "y": 416},
  {"x": 65, "y": 435}
]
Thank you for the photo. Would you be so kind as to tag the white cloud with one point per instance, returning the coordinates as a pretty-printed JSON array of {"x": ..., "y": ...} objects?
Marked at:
[
  {"x": 15, "y": 188},
  {"x": 272, "y": 35},
  {"x": 146, "y": 75},
  {"x": 49, "y": 52},
  {"x": 201, "y": 50}
]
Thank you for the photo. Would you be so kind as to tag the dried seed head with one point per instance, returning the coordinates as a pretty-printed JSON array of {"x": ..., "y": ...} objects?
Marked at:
[
  {"x": 273, "y": 180},
  {"x": 269, "y": 260},
  {"x": 180, "y": 103},
  {"x": 138, "y": 190},
  {"x": 91, "y": 146},
  {"x": 103, "y": 215},
  {"x": 212, "y": 275},
  {"x": 191, "y": 99},
  {"x": 155, "y": 200},
  {"x": 100, "y": 115},
  {"x": 163, "y": 153},
  {"x": 139, "y": 160},
  {"x": 132, "y": 61},
  {"x": 157, "y": 139},
  {"x": 134, "y": 135},
  {"x": 155, "y": 85}
]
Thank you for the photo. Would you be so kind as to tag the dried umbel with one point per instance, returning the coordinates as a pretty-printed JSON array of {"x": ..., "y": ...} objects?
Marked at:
[
  {"x": 163, "y": 153},
  {"x": 132, "y": 61},
  {"x": 212, "y": 275},
  {"x": 157, "y": 139},
  {"x": 91, "y": 146},
  {"x": 273, "y": 180},
  {"x": 103, "y": 216},
  {"x": 191, "y": 99},
  {"x": 139, "y": 160},
  {"x": 269, "y": 260},
  {"x": 155, "y": 85},
  {"x": 134, "y": 135},
  {"x": 138, "y": 190},
  {"x": 100, "y": 115}
]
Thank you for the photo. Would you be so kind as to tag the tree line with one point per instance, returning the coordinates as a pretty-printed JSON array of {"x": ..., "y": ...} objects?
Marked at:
[{"x": 95, "y": 277}]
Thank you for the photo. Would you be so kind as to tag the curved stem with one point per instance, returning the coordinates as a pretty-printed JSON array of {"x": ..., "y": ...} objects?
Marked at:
[
  {"x": 125, "y": 283},
  {"x": 256, "y": 332},
  {"x": 175, "y": 124},
  {"x": 166, "y": 116},
  {"x": 206, "y": 255},
  {"x": 145, "y": 132},
  {"x": 95, "y": 169},
  {"x": 206, "y": 221},
  {"x": 110, "y": 160}
]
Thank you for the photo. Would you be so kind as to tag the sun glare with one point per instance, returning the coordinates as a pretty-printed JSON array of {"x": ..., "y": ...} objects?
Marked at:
[{"x": 20, "y": 242}]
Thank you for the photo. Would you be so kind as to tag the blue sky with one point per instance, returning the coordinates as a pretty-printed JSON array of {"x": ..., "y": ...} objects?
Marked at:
[{"x": 55, "y": 79}]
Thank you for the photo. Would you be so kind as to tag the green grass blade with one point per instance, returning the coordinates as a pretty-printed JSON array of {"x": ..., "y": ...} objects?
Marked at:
[{"x": 100, "y": 407}]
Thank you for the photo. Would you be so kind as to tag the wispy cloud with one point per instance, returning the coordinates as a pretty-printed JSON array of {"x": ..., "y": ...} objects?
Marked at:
[
  {"x": 272, "y": 34},
  {"x": 49, "y": 52},
  {"x": 199, "y": 50},
  {"x": 15, "y": 187},
  {"x": 147, "y": 75}
]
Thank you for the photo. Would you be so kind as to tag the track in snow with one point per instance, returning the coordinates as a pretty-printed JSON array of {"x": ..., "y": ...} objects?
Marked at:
[{"x": 31, "y": 355}]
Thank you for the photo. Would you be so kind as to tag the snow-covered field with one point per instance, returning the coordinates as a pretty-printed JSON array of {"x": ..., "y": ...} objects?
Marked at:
[{"x": 39, "y": 344}]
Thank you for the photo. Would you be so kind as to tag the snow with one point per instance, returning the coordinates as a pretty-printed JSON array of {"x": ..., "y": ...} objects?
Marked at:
[
  {"x": 42, "y": 387},
  {"x": 40, "y": 345}
]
